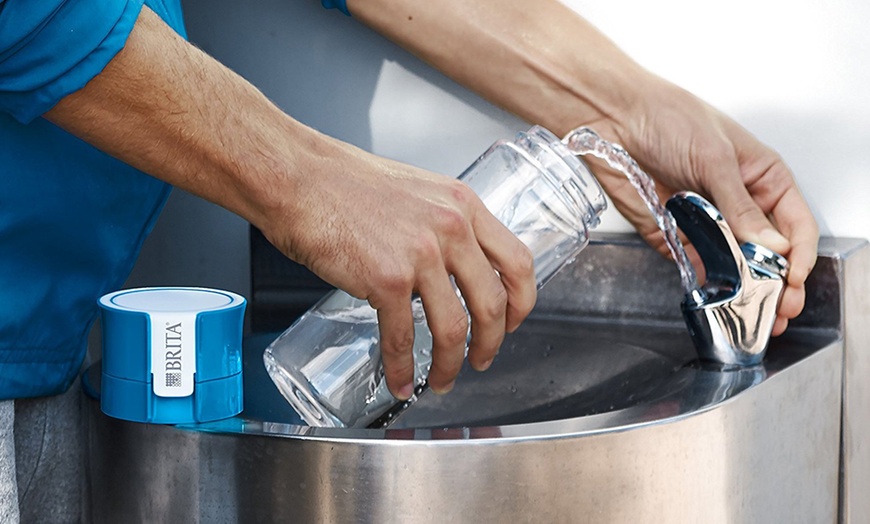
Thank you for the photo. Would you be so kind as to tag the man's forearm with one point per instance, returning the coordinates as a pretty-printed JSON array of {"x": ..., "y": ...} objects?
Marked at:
[
  {"x": 168, "y": 109},
  {"x": 538, "y": 60}
]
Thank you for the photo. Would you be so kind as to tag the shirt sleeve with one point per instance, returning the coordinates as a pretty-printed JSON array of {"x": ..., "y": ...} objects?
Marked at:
[
  {"x": 341, "y": 5},
  {"x": 51, "y": 48}
]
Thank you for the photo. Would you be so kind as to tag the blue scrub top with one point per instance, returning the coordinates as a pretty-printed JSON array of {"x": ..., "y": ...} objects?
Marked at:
[{"x": 72, "y": 219}]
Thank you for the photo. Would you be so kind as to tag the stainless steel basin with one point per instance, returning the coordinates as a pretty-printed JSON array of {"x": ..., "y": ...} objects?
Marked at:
[{"x": 595, "y": 411}]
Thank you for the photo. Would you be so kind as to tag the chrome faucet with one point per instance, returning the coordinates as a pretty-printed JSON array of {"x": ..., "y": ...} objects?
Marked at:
[{"x": 731, "y": 316}]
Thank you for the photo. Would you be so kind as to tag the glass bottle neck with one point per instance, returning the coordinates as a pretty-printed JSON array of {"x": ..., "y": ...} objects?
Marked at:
[{"x": 579, "y": 188}]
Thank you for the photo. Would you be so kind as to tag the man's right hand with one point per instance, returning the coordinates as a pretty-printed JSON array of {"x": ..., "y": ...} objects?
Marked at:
[{"x": 382, "y": 230}]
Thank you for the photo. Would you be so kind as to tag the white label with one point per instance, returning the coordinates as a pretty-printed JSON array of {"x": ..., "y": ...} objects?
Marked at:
[{"x": 173, "y": 353}]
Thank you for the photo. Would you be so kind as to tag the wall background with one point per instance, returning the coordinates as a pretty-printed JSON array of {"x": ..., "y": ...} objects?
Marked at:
[{"x": 792, "y": 73}]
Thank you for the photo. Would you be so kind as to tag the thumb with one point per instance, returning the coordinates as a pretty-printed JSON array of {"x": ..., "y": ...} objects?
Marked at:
[{"x": 743, "y": 214}]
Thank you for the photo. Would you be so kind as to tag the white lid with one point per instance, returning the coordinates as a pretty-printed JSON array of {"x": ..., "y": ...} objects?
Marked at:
[{"x": 170, "y": 299}]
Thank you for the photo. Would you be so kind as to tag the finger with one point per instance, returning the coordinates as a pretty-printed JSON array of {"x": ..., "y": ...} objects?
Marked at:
[
  {"x": 792, "y": 302},
  {"x": 794, "y": 218},
  {"x": 448, "y": 323},
  {"x": 514, "y": 263},
  {"x": 779, "y": 326},
  {"x": 396, "y": 325},
  {"x": 486, "y": 299}
]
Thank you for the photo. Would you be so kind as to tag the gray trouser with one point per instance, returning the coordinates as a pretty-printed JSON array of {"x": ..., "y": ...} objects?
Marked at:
[
  {"x": 8, "y": 486},
  {"x": 41, "y": 459}
]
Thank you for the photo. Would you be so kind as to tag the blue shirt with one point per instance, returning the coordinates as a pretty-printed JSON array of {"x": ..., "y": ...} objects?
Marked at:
[{"x": 72, "y": 219}]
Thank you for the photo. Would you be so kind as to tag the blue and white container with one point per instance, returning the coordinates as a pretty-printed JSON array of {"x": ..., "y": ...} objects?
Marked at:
[{"x": 172, "y": 355}]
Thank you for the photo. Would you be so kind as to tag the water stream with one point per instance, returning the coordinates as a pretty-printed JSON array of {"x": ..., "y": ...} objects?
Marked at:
[{"x": 585, "y": 141}]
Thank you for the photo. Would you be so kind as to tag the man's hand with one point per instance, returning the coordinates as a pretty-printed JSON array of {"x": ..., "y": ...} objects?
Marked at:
[
  {"x": 686, "y": 144},
  {"x": 382, "y": 231}
]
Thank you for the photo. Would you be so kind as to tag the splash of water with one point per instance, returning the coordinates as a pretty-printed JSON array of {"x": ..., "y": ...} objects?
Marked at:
[{"x": 585, "y": 141}]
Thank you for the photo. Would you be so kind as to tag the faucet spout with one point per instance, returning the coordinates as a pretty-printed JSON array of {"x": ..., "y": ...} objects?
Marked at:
[{"x": 731, "y": 316}]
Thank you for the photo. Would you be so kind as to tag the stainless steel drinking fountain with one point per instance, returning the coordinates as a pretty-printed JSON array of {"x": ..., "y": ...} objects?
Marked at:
[
  {"x": 597, "y": 410},
  {"x": 730, "y": 317}
]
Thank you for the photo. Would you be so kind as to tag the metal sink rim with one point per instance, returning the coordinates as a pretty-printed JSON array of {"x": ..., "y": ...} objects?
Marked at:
[{"x": 798, "y": 348}]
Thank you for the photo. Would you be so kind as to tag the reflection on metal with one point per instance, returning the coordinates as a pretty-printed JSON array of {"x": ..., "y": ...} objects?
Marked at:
[
  {"x": 731, "y": 316},
  {"x": 596, "y": 410}
]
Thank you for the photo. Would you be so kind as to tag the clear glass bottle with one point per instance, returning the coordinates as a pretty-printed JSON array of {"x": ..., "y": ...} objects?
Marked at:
[{"x": 328, "y": 363}]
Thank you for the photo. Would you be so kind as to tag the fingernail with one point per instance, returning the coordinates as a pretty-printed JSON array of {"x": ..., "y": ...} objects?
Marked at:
[
  {"x": 772, "y": 239},
  {"x": 485, "y": 365},
  {"x": 406, "y": 391},
  {"x": 446, "y": 389}
]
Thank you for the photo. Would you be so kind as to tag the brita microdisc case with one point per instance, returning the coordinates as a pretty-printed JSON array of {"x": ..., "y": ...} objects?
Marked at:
[{"x": 172, "y": 355}]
